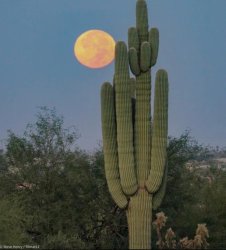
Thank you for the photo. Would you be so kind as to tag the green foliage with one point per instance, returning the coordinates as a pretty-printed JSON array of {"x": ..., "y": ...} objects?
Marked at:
[
  {"x": 213, "y": 209},
  {"x": 62, "y": 241},
  {"x": 3, "y": 163},
  {"x": 47, "y": 180},
  {"x": 11, "y": 229},
  {"x": 55, "y": 195},
  {"x": 68, "y": 204}
]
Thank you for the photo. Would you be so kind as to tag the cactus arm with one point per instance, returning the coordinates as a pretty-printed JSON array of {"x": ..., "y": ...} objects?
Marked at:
[
  {"x": 134, "y": 47},
  {"x": 159, "y": 133},
  {"x": 110, "y": 145},
  {"x": 124, "y": 120},
  {"x": 154, "y": 42},
  {"x": 145, "y": 55},
  {"x": 159, "y": 195},
  {"x": 142, "y": 20},
  {"x": 133, "y": 39},
  {"x": 134, "y": 61}
]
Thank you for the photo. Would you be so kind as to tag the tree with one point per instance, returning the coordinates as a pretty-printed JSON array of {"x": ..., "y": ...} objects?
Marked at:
[{"x": 51, "y": 182}]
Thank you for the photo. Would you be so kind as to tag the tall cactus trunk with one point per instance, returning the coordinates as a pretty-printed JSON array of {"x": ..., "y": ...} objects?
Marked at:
[
  {"x": 139, "y": 218},
  {"x": 134, "y": 146}
]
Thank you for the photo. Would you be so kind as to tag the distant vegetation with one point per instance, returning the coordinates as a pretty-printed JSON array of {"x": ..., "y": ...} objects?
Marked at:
[{"x": 55, "y": 195}]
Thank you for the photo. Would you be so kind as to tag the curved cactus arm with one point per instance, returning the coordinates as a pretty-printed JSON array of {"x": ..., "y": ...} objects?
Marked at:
[
  {"x": 154, "y": 42},
  {"x": 159, "y": 195},
  {"x": 124, "y": 120},
  {"x": 159, "y": 133},
  {"x": 110, "y": 145}
]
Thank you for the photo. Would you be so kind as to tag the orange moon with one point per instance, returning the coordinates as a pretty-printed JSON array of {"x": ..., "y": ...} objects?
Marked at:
[{"x": 95, "y": 49}]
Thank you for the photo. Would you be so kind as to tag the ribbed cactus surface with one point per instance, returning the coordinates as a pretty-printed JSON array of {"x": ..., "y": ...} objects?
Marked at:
[{"x": 134, "y": 144}]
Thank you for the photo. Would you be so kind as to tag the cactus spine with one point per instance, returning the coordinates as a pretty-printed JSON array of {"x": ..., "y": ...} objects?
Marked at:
[{"x": 134, "y": 147}]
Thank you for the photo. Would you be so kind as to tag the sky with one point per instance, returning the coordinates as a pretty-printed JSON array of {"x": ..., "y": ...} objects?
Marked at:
[{"x": 38, "y": 67}]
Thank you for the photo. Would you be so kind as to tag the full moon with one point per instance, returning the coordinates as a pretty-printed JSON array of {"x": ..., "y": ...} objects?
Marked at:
[{"x": 95, "y": 49}]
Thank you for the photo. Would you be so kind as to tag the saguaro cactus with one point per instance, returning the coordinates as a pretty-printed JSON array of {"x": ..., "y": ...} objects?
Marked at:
[{"x": 134, "y": 146}]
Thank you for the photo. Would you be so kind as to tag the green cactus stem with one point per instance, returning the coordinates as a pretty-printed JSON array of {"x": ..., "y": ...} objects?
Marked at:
[
  {"x": 110, "y": 145},
  {"x": 134, "y": 146}
]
